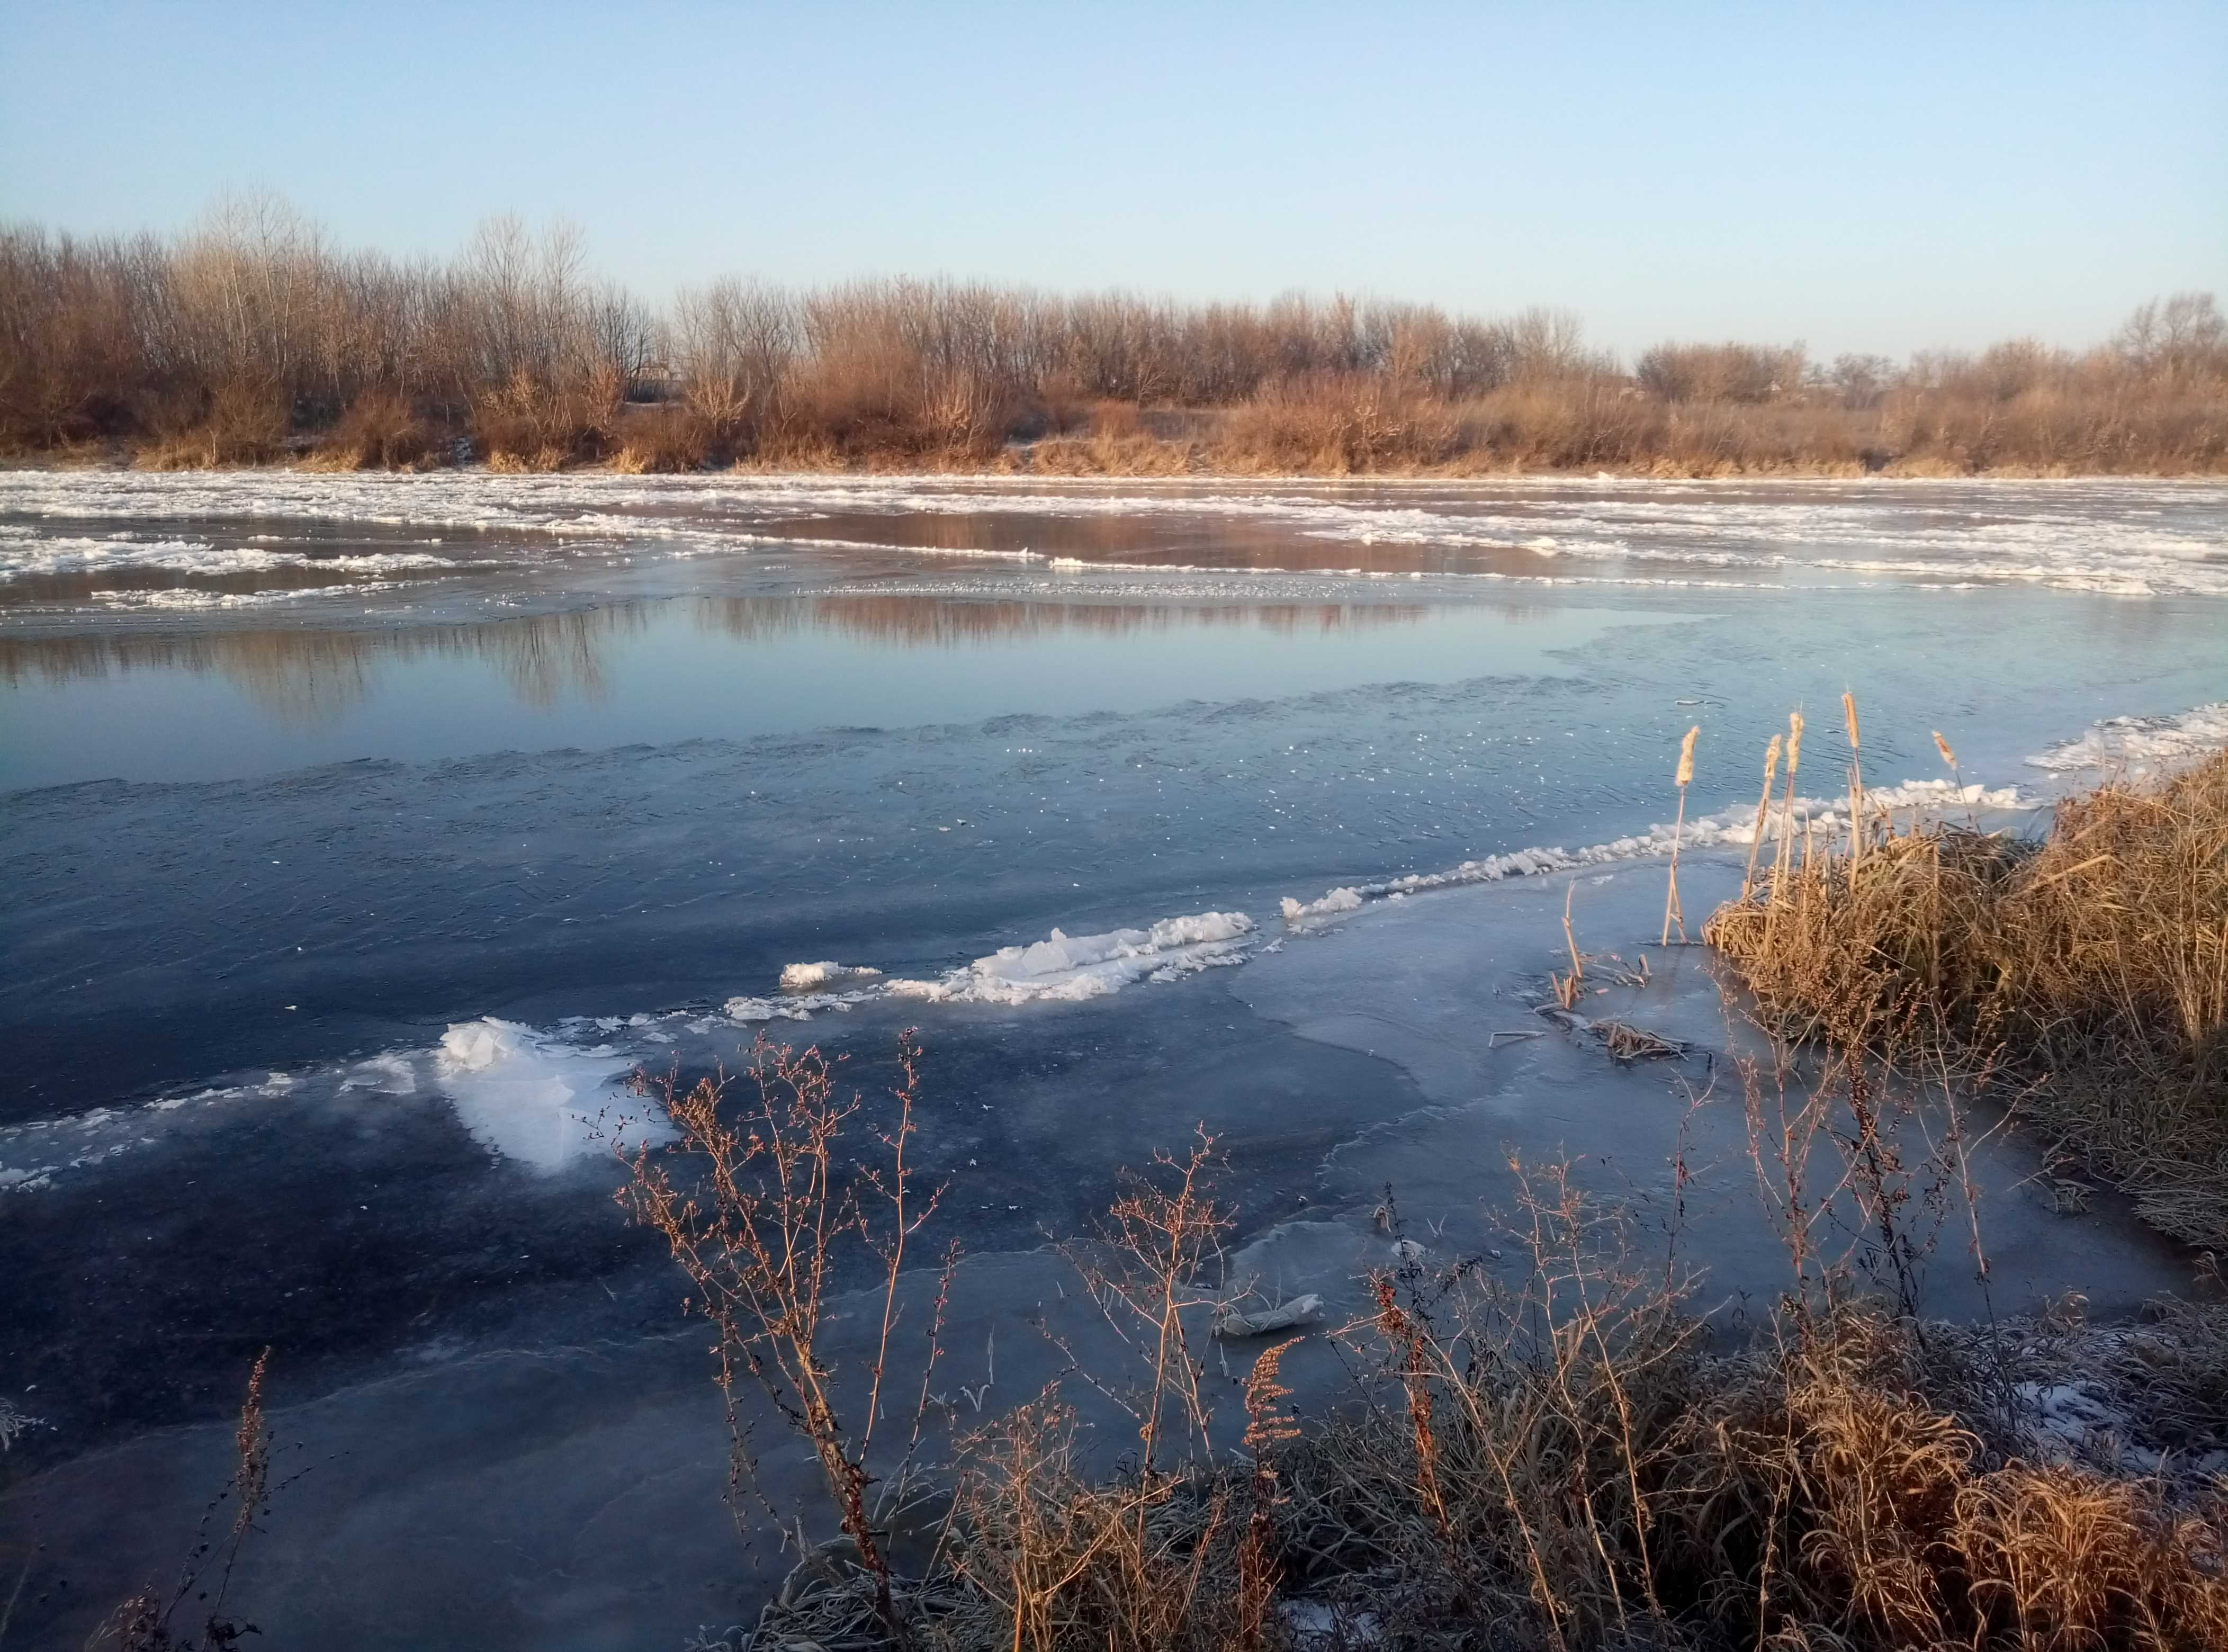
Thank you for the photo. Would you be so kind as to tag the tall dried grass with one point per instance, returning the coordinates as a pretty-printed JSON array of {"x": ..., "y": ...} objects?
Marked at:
[{"x": 2087, "y": 972}]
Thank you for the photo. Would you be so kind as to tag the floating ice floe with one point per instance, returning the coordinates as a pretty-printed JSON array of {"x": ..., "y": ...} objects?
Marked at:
[
  {"x": 23, "y": 551},
  {"x": 2089, "y": 536},
  {"x": 805, "y": 977},
  {"x": 187, "y": 597}
]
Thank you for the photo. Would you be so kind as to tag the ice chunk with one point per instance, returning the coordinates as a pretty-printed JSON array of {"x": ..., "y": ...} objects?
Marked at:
[
  {"x": 535, "y": 1099},
  {"x": 1075, "y": 967},
  {"x": 1231, "y": 1321},
  {"x": 804, "y": 977},
  {"x": 1342, "y": 899}
]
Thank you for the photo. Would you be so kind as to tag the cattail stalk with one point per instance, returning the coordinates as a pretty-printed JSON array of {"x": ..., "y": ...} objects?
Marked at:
[
  {"x": 1787, "y": 807},
  {"x": 1950, "y": 758},
  {"x": 1763, "y": 813},
  {"x": 1856, "y": 783},
  {"x": 1671, "y": 907}
]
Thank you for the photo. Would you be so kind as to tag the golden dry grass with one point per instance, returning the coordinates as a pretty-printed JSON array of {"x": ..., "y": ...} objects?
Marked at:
[{"x": 2088, "y": 972}]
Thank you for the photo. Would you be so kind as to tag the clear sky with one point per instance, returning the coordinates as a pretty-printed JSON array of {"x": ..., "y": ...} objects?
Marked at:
[{"x": 1886, "y": 176}]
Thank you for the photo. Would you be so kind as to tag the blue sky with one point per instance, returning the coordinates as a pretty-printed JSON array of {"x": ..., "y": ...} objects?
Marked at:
[{"x": 1886, "y": 177}]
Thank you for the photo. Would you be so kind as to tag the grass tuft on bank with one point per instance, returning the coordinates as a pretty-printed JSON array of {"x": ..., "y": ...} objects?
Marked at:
[{"x": 2083, "y": 977}]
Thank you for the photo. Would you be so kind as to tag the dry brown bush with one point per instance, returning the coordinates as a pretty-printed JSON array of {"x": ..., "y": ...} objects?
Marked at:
[
  {"x": 380, "y": 432},
  {"x": 1547, "y": 1456},
  {"x": 239, "y": 423},
  {"x": 530, "y": 424},
  {"x": 664, "y": 440},
  {"x": 1557, "y": 1460},
  {"x": 1336, "y": 425}
]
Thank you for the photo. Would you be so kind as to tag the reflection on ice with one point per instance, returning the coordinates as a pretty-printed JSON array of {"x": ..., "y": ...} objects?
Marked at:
[{"x": 308, "y": 677}]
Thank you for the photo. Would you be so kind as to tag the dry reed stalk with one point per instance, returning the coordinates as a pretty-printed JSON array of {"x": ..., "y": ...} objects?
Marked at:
[
  {"x": 1786, "y": 808},
  {"x": 1856, "y": 777},
  {"x": 142, "y": 1622},
  {"x": 1685, "y": 776},
  {"x": 1783, "y": 852},
  {"x": 1566, "y": 988},
  {"x": 1268, "y": 1428},
  {"x": 1950, "y": 761},
  {"x": 1763, "y": 810}
]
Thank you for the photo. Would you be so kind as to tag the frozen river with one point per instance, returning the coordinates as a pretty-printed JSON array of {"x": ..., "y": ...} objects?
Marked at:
[{"x": 360, "y": 834}]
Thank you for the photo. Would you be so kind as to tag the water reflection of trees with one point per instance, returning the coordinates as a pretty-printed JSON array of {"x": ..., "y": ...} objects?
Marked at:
[
  {"x": 314, "y": 677},
  {"x": 311, "y": 678},
  {"x": 913, "y": 622}
]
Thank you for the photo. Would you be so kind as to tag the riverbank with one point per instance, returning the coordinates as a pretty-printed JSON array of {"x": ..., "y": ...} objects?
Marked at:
[{"x": 1203, "y": 445}]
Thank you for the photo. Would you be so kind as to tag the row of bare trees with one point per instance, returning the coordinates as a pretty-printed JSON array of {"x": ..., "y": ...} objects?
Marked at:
[{"x": 253, "y": 334}]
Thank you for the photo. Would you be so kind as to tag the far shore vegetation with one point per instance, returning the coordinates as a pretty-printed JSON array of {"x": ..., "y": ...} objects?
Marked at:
[{"x": 252, "y": 340}]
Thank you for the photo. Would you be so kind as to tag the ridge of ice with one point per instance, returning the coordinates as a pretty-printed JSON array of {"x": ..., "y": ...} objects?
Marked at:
[
  {"x": 1071, "y": 968},
  {"x": 1735, "y": 825},
  {"x": 2141, "y": 744},
  {"x": 2073, "y": 534},
  {"x": 804, "y": 978}
]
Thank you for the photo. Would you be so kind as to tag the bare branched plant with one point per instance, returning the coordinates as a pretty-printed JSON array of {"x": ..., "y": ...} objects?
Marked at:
[
  {"x": 768, "y": 1222},
  {"x": 1146, "y": 1272}
]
